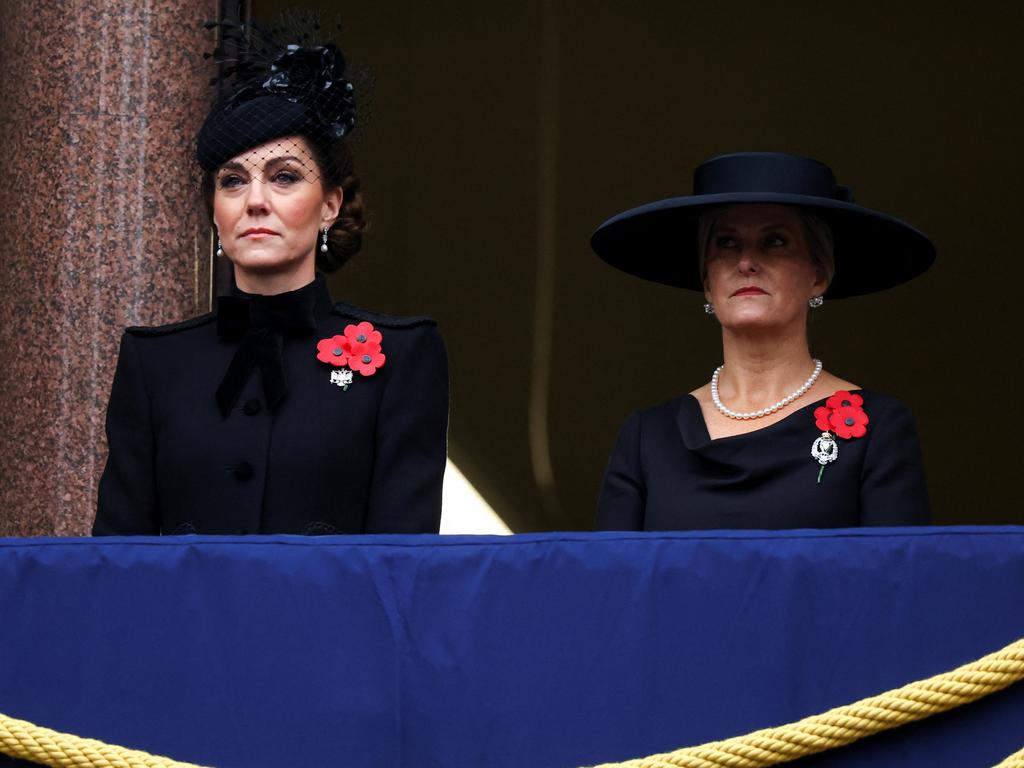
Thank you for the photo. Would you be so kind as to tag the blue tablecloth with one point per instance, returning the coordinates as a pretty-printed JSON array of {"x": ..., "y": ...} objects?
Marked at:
[{"x": 533, "y": 651}]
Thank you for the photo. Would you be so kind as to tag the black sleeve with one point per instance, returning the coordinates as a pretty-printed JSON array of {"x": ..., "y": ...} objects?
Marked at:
[
  {"x": 412, "y": 440},
  {"x": 621, "y": 504},
  {"x": 893, "y": 489},
  {"x": 127, "y": 493}
]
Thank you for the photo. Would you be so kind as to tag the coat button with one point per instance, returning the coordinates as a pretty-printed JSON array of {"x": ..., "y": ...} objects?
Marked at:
[
  {"x": 243, "y": 470},
  {"x": 252, "y": 407}
]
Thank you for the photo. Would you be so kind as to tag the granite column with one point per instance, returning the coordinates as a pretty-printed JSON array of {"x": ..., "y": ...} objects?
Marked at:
[{"x": 101, "y": 223}]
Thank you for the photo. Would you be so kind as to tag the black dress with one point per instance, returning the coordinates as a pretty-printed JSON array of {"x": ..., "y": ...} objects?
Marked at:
[
  {"x": 286, "y": 450},
  {"x": 666, "y": 473}
]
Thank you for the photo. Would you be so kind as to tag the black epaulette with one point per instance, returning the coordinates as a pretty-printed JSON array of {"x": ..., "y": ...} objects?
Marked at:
[
  {"x": 385, "y": 321},
  {"x": 163, "y": 330}
]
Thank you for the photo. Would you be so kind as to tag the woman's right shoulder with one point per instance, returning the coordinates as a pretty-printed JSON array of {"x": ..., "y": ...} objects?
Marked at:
[
  {"x": 663, "y": 412},
  {"x": 171, "y": 329}
]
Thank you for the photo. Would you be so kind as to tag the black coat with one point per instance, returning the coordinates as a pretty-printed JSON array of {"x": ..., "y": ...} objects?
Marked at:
[
  {"x": 366, "y": 459},
  {"x": 666, "y": 473}
]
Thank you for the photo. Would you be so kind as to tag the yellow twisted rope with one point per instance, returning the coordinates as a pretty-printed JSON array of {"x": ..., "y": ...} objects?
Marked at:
[
  {"x": 1016, "y": 760},
  {"x": 843, "y": 725},
  {"x": 26, "y": 741},
  {"x": 835, "y": 728}
]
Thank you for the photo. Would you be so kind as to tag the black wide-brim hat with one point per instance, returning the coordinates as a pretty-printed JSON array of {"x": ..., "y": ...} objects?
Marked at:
[{"x": 658, "y": 241}]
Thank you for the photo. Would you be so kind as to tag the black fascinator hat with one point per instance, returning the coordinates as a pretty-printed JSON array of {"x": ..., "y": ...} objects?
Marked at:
[
  {"x": 277, "y": 90},
  {"x": 659, "y": 241}
]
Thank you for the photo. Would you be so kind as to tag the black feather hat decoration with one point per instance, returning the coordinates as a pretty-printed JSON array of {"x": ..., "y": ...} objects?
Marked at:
[{"x": 274, "y": 89}]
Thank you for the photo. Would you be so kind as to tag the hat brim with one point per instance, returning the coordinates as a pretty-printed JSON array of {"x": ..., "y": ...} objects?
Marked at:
[{"x": 658, "y": 241}]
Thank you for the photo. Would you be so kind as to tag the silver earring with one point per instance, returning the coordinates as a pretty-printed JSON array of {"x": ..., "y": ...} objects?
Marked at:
[
  {"x": 220, "y": 248},
  {"x": 709, "y": 309},
  {"x": 815, "y": 302},
  {"x": 323, "y": 245}
]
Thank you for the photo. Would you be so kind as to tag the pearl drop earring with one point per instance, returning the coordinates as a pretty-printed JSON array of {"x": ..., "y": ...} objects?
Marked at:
[
  {"x": 323, "y": 245},
  {"x": 220, "y": 248}
]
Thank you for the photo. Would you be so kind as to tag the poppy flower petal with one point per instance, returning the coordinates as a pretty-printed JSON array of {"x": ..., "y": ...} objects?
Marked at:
[
  {"x": 849, "y": 421},
  {"x": 821, "y": 415},
  {"x": 840, "y": 399},
  {"x": 332, "y": 351}
]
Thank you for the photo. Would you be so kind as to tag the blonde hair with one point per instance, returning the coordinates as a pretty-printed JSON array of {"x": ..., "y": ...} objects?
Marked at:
[{"x": 818, "y": 234}]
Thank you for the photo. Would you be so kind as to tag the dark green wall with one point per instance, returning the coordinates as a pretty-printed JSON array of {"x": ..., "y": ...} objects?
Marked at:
[{"x": 502, "y": 134}]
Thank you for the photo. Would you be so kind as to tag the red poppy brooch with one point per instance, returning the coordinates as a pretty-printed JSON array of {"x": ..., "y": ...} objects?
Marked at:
[
  {"x": 358, "y": 350},
  {"x": 843, "y": 415}
]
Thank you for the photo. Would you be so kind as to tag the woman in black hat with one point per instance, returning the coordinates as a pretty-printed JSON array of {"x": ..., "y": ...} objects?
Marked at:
[
  {"x": 282, "y": 411},
  {"x": 773, "y": 440}
]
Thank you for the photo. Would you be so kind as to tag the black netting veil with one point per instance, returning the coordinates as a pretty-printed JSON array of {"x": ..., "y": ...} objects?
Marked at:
[{"x": 275, "y": 90}]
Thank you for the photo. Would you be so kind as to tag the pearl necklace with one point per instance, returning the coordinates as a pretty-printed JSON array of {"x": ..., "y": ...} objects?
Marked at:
[{"x": 764, "y": 411}]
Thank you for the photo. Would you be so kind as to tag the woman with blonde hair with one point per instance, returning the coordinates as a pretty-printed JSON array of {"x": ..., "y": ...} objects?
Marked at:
[{"x": 773, "y": 440}]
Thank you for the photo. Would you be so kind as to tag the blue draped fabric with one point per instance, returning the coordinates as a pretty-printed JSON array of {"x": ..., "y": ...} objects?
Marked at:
[{"x": 532, "y": 651}]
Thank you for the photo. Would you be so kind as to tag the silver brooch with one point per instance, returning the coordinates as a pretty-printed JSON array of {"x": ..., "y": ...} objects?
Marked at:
[
  {"x": 825, "y": 450},
  {"x": 342, "y": 378}
]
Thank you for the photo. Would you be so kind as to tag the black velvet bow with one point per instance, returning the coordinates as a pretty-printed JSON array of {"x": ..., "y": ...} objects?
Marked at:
[{"x": 261, "y": 322}]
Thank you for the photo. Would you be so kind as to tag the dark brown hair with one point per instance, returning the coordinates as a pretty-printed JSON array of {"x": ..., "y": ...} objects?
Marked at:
[{"x": 337, "y": 166}]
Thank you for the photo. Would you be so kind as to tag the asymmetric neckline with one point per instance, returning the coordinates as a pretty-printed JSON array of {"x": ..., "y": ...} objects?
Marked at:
[
  {"x": 694, "y": 429},
  {"x": 666, "y": 473}
]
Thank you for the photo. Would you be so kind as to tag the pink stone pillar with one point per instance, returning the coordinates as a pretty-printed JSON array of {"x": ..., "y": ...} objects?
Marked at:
[{"x": 101, "y": 224}]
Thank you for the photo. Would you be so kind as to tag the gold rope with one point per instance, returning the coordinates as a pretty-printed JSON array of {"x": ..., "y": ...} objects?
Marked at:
[
  {"x": 835, "y": 728},
  {"x": 26, "y": 741},
  {"x": 843, "y": 725},
  {"x": 1016, "y": 760}
]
